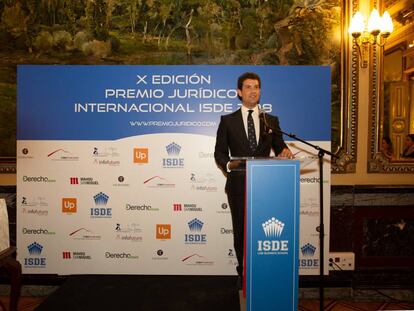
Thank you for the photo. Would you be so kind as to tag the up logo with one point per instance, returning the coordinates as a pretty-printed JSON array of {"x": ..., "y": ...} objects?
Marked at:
[
  {"x": 69, "y": 205},
  {"x": 140, "y": 155},
  {"x": 163, "y": 232}
]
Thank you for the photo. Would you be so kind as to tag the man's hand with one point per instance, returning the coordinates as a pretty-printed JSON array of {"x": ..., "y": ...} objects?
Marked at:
[
  {"x": 286, "y": 153},
  {"x": 234, "y": 164}
]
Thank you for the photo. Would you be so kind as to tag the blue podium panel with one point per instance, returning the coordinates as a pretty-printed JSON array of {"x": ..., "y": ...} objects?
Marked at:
[{"x": 272, "y": 234}]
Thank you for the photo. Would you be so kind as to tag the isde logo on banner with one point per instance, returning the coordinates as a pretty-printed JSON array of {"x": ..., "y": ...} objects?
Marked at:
[
  {"x": 69, "y": 205},
  {"x": 273, "y": 228},
  {"x": 101, "y": 199},
  {"x": 308, "y": 250},
  {"x": 35, "y": 250},
  {"x": 141, "y": 156},
  {"x": 163, "y": 231},
  {"x": 195, "y": 225},
  {"x": 173, "y": 150}
]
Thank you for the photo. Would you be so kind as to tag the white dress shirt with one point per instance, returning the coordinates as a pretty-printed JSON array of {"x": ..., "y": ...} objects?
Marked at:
[{"x": 256, "y": 121}]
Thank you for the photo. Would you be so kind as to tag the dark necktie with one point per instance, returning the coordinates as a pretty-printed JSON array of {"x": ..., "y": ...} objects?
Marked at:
[{"x": 251, "y": 133}]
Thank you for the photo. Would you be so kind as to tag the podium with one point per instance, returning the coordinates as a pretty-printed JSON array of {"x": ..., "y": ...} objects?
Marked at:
[{"x": 272, "y": 234}]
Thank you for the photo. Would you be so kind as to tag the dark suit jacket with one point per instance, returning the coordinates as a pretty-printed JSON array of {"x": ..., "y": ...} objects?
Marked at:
[{"x": 232, "y": 140}]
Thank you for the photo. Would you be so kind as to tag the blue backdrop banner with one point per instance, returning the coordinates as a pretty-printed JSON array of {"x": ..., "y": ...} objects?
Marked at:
[{"x": 82, "y": 102}]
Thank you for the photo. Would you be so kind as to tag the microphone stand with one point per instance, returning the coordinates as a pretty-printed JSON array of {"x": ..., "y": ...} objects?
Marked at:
[{"x": 321, "y": 153}]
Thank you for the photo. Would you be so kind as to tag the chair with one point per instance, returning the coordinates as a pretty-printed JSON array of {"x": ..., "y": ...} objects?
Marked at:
[{"x": 8, "y": 260}]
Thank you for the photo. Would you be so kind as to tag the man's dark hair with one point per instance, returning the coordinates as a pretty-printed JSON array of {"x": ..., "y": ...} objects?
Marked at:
[{"x": 245, "y": 76}]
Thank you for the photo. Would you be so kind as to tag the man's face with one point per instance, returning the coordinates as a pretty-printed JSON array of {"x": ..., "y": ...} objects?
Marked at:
[
  {"x": 250, "y": 93},
  {"x": 408, "y": 142}
]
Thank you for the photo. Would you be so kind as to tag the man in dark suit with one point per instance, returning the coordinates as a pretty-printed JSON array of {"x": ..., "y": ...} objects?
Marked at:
[{"x": 245, "y": 133}]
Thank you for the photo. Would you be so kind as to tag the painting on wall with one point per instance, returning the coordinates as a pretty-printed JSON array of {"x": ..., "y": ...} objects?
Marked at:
[{"x": 155, "y": 32}]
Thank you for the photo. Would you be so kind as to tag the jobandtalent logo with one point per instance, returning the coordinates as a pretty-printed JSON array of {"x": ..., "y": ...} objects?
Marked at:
[
  {"x": 35, "y": 250},
  {"x": 62, "y": 155},
  {"x": 159, "y": 255},
  {"x": 121, "y": 182},
  {"x": 163, "y": 231},
  {"x": 223, "y": 209},
  {"x": 158, "y": 182},
  {"x": 140, "y": 156},
  {"x": 273, "y": 228},
  {"x": 173, "y": 161},
  {"x": 84, "y": 234},
  {"x": 101, "y": 200},
  {"x": 308, "y": 251},
  {"x": 24, "y": 154},
  {"x": 69, "y": 205},
  {"x": 195, "y": 225}
]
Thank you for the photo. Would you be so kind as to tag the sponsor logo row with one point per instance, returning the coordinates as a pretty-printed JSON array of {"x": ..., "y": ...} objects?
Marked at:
[
  {"x": 39, "y": 205},
  {"x": 110, "y": 156},
  {"x": 134, "y": 233},
  {"x": 37, "y": 259},
  {"x": 198, "y": 182}
]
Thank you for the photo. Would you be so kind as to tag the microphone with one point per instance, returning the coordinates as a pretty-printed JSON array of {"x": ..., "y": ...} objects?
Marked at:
[{"x": 262, "y": 116}]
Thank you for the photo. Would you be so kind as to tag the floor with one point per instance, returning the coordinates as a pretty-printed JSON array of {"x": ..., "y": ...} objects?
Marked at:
[{"x": 30, "y": 303}]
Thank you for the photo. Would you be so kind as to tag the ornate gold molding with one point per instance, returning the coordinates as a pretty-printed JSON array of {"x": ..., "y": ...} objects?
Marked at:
[
  {"x": 377, "y": 163},
  {"x": 347, "y": 153}
]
